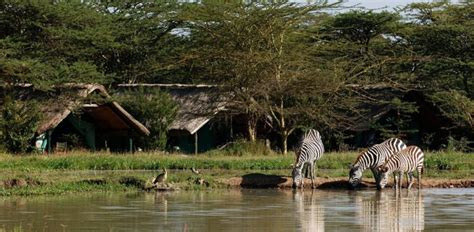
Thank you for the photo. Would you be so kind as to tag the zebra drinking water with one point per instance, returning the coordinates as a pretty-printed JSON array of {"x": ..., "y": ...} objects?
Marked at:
[
  {"x": 373, "y": 158},
  {"x": 311, "y": 149},
  {"x": 405, "y": 161}
]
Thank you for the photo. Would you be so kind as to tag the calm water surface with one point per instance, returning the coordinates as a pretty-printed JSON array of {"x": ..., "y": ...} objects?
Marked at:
[{"x": 244, "y": 210}]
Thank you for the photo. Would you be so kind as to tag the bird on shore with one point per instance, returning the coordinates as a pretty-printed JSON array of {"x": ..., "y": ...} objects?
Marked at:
[
  {"x": 201, "y": 181},
  {"x": 195, "y": 171},
  {"x": 161, "y": 178}
]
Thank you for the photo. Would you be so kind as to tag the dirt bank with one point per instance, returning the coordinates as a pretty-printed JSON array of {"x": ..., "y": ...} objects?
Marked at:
[{"x": 258, "y": 180}]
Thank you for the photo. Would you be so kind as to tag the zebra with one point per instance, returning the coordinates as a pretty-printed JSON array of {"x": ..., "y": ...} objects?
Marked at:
[
  {"x": 311, "y": 149},
  {"x": 372, "y": 158},
  {"x": 405, "y": 161}
]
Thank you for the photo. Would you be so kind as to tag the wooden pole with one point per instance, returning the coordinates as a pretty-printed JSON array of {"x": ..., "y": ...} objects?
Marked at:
[
  {"x": 196, "y": 143},
  {"x": 49, "y": 141}
]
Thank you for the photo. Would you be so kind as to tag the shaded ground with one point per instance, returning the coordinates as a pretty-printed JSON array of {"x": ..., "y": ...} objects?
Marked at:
[{"x": 257, "y": 180}]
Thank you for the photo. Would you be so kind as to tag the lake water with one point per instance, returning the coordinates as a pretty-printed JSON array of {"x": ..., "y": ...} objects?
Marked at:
[{"x": 243, "y": 210}]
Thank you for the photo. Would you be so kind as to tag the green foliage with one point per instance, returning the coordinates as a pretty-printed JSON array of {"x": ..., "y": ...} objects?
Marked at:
[
  {"x": 156, "y": 110},
  {"x": 398, "y": 124},
  {"x": 362, "y": 27},
  {"x": 461, "y": 145},
  {"x": 455, "y": 106},
  {"x": 441, "y": 40},
  {"x": 47, "y": 43},
  {"x": 18, "y": 122},
  {"x": 285, "y": 64}
]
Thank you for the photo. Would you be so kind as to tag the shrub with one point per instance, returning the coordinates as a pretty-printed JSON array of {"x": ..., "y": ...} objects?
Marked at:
[
  {"x": 18, "y": 123},
  {"x": 156, "y": 110},
  {"x": 243, "y": 148}
]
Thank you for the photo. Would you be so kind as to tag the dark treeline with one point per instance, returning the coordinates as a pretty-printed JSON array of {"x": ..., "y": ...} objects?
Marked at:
[{"x": 286, "y": 66}]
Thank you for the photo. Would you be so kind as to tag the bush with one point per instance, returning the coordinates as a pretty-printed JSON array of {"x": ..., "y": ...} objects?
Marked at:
[
  {"x": 18, "y": 123},
  {"x": 156, "y": 110},
  {"x": 243, "y": 148},
  {"x": 462, "y": 145}
]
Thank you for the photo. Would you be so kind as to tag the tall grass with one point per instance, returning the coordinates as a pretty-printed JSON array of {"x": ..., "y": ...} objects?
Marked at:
[{"x": 213, "y": 160}]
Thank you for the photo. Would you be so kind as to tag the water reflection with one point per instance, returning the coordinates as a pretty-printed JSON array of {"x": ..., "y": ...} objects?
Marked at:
[
  {"x": 243, "y": 210},
  {"x": 391, "y": 211},
  {"x": 309, "y": 211}
]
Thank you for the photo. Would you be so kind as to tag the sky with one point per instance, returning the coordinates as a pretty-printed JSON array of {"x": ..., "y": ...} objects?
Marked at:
[
  {"x": 381, "y": 4},
  {"x": 376, "y": 4}
]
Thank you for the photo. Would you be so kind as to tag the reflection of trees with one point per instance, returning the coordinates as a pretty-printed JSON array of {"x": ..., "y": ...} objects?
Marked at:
[
  {"x": 392, "y": 211},
  {"x": 308, "y": 210}
]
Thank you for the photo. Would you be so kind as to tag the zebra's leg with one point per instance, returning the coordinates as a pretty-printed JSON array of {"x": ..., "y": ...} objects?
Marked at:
[
  {"x": 419, "y": 177},
  {"x": 410, "y": 179},
  {"x": 312, "y": 175},
  {"x": 394, "y": 180},
  {"x": 376, "y": 177},
  {"x": 400, "y": 180},
  {"x": 302, "y": 182},
  {"x": 395, "y": 177}
]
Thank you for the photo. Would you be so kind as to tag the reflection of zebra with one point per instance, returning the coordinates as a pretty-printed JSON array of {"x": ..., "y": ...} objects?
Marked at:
[
  {"x": 310, "y": 212},
  {"x": 405, "y": 161},
  {"x": 311, "y": 149},
  {"x": 391, "y": 211},
  {"x": 372, "y": 158}
]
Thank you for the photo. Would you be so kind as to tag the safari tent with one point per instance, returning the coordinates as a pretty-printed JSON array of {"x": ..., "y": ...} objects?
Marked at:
[
  {"x": 202, "y": 121},
  {"x": 79, "y": 116}
]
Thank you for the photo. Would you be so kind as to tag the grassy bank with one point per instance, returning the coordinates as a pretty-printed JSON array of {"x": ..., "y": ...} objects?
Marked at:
[{"x": 91, "y": 172}]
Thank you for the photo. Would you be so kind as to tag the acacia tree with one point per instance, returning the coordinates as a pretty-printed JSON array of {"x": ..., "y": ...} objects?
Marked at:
[
  {"x": 441, "y": 38},
  {"x": 260, "y": 54},
  {"x": 46, "y": 43}
]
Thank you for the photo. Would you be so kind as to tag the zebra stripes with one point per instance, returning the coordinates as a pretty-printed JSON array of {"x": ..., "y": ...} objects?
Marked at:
[
  {"x": 311, "y": 149},
  {"x": 373, "y": 158},
  {"x": 405, "y": 161}
]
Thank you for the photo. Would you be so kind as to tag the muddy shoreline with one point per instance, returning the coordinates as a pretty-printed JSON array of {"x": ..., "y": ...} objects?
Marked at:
[{"x": 257, "y": 180}]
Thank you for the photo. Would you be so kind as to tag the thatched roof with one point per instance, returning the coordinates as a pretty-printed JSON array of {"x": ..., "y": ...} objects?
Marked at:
[
  {"x": 62, "y": 100},
  {"x": 198, "y": 104}
]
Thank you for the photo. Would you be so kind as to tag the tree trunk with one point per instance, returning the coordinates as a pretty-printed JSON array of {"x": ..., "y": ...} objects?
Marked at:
[
  {"x": 252, "y": 130},
  {"x": 284, "y": 143}
]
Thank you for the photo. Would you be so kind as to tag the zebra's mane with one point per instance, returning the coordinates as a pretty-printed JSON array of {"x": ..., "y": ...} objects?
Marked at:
[
  {"x": 300, "y": 144},
  {"x": 298, "y": 152},
  {"x": 360, "y": 155}
]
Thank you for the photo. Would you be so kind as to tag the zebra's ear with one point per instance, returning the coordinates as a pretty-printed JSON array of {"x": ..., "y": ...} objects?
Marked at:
[{"x": 350, "y": 166}]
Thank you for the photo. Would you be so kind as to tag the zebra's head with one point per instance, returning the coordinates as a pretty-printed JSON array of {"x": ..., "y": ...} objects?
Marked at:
[
  {"x": 383, "y": 176},
  {"x": 355, "y": 175},
  {"x": 296, "y": 175}
]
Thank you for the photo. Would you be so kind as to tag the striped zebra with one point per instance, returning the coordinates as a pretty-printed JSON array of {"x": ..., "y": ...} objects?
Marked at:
[
  {"x": 372, "y": 158},
  {"x": 311, "y": 149},
  {"x": 405, "y": 161}
]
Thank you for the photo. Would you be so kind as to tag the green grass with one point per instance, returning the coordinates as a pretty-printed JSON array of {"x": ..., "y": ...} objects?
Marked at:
[
  {"x": 155, "y": 161},
  {"x": 95, "y": 172},
  {"x": 103, "y": 161}
]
